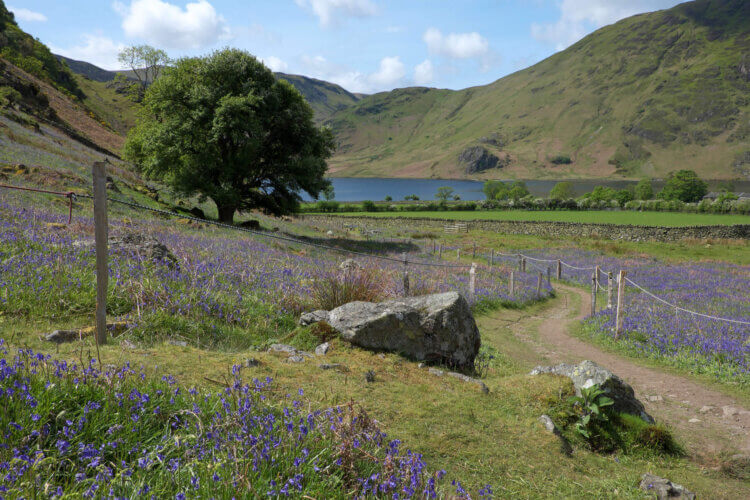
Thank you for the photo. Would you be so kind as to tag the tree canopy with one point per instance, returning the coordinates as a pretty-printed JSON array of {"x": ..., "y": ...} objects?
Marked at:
[
  {"x": 145, "y": 61},
  {"x": 562, "y": 191},
  {"x": 684, "y": 185},
  {"x": 224, "y": 128},
  {"x": 444, "y": 193},
  {"x": 644, "y": 190},
  {"x": 498, "y": 190}
]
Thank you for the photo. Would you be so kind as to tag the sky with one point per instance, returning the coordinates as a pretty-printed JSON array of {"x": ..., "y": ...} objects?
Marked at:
[{"x": 365, "y": 46}]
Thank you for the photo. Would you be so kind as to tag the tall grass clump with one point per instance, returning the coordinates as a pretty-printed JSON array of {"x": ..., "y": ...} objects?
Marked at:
[{"x": 334, "y": 289}]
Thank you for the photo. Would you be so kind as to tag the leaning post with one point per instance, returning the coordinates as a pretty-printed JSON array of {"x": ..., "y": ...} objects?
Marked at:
[
  {"x": 559, "y": 269},
  {"x": 610, "y": 291},
  {"x": 620, "y": 304},
  {"x": 99, "y": 174},
  {"x": 539, "y": 286},
  {"x": 472, "y": 280},
  {"x": 593, "y": 294}
]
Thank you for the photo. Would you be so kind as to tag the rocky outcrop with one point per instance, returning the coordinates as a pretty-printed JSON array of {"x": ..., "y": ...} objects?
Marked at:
[
  {"x": 436, "y": 327},
  {"x": 477, "y": 159},
  {"x": 664, "y": 488},
  {"x": 313, "y": 317},
  {"x": 139, "y": 245},
  {"x": 588, "y": 373}
]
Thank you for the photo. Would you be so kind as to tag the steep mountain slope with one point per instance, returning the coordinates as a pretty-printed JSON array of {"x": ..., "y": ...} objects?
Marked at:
[{"x": 647, "y": 95}]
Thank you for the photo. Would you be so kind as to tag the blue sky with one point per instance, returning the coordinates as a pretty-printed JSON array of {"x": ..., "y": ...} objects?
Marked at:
[{"x": 363, "y": 45}]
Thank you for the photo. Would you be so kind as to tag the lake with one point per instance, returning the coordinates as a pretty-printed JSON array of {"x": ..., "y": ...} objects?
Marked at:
[{"x": 376, "y": 189}]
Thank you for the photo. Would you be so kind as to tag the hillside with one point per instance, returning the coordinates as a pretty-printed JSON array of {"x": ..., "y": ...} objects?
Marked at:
[{"x": 647, "y": 95}]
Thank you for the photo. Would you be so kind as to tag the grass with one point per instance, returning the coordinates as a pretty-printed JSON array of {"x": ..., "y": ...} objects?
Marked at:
[{"x": 624, "y": 217}]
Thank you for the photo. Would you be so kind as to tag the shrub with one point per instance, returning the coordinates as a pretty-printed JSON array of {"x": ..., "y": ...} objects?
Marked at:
[
  {"x": 561, "y": 160},
  {"x": 644, "y": 190},
  {"x": 562, "y": 191},
  {"x": 369, "y": 206},
  {"x": 327, "y": 206},
  {"x": 335, "y": 289},
  {"x": 388, "y": 198}
]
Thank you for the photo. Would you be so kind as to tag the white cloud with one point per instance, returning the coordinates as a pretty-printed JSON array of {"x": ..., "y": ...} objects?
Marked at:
[
  {"x": 274, "y": 63},
  {"x": 170, "y": 26},
  {"x": 27, "y": 15},
  {"x": 456, "y": 45},
  {"x": 329, "y": 12},
  {"x": 390, "y": 73},
  {"x": 424, "y": 73},
  {"x": 579, "y": 17},
  {"x": 97, "y": 50}
]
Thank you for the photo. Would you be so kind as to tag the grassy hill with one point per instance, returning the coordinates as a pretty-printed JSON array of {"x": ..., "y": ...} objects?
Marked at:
[{"x": 647, "y": 95}]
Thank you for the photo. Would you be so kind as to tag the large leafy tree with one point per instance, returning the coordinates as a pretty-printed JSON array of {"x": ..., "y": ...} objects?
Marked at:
[
  {"x": 225, "y": 128},
  {"x": 684, "y": 185},
  {"x": 145, "y": 61}
]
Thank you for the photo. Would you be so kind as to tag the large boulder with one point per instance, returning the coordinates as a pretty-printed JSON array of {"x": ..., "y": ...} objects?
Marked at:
[
  {"x": 436, "y": 327},
  {"x": 142, "y": 246},
  {"x": 664, "y": 489},
  {"x": 588, "y": 373}
]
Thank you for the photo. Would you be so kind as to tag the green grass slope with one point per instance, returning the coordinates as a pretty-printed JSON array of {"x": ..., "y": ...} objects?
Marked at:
[
  {"x": 325, "y": 98},
  {"x": 645, "y": 96}
]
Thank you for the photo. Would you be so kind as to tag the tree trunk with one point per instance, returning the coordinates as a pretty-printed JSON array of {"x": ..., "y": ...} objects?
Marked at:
[{"x": 226, "y": 213}]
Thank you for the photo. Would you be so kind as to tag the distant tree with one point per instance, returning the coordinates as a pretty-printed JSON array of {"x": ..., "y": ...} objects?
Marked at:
[
  {"x": 225, "y": 128},
  {"x": 145, "y": 61},
  {"x": 369, "y": 206},
  {"x": 444, "y": 193},
  {"x": 601, "y": 193},
  {"x": 644, "y": 189},
  {"x": 412, "y": 197},
  {"x": 684, "y": 185},
  {"x": 623, "y": 196},
  {"x": 561, "y": 160},
  {"x": 388, "y": 198},
  {"x": 328, "y": 193},
  {"x": 456, "y": 197},
  {"x": 518, "y": 190},
  {"x": 492, "y": 189},
  {"x": 562, "y": 191}
]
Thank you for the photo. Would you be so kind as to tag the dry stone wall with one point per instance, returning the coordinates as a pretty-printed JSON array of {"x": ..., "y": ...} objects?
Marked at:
[{"x": 536, "y": 228}]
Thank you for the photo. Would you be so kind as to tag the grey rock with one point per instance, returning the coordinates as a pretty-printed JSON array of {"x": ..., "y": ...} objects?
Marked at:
[
  {"x": 179, "y": 343},
  {"x": 332, "y": 366},
  {"x": 466, "y": 378},
  {"x": 282, "y": 348},
  {"x": 350, "y": 265},
  {"x": 309, "y": 318},
  {"x": 370, "y": 376},
  {"x": 251, "y": 363},
  {"x": 655, "y": 399},
  {"x": 296, "y": 358},
  {"x": 477, "y": 159},
  {"x": 437, "y": 327},
  {"x": 664, "y": 489},
  {"x": 323, "y": 349},
  {"x": 128, "y": 344},
  {"x": 588, "y": 373},
  {"x": 694, "y": 421},
  {"x": 142, "y": 246},
  {"x": 729, "y": 411},
  {"x": 436, "y": 372},
  {"x": 62, "y": 336},
  {"x": 706, "y": 409},
  {"x": 421, "y": 365}
]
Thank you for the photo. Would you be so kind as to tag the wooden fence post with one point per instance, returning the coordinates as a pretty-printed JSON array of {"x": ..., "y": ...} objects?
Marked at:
[
  {"x": 596, "y": 275},
  {"x": 406, "y": 276},
  {"x": 492, "y": 257},
  {"x": 512, "y": 283},
  {"x": 474, "y": 250},
  {"x": 539, "y": 286},
  {"x": 620, "y": 304},
  {"x": 593, "y": 294},
  {"x": 100, "y": 236},
  {"x": 523, "y": 264},
  {"x": 433, "y": 247},
  {"x": 472, "y": 280},
  {"x": 559, "y": 269},
  {"x": 609, "y": 290},
  {"x": 440, "y": 249},
  {"x": 458, "y": 254}
]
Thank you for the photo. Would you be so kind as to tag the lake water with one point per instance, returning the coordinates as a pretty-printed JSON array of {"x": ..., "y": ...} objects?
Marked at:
[{"x": 376, "y": 189}]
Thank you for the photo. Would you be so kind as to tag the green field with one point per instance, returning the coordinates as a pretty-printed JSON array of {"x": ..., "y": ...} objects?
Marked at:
[{"x": 671, "y": 219}]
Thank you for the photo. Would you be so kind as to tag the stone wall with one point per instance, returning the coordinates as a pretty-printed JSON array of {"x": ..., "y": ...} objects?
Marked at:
[{"x": 535, "y": 228}]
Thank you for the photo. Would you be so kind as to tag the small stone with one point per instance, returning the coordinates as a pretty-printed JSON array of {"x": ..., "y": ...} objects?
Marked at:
[
  {"x": 421, "y": 365},
  {"x": 466, "y": 378},
  {"x": 436, "y": 372},
  {"x": 295, "y": 359},
  {"x": 332, "y": 366},
  {"x": 251, "y": 363},
  {"x": 729, "y": 411},
  {"x": 664, "y": 488},
  {"x": 550, "y": 426},
  {"x": 655, "y": 399},
  {"x": 179, "y": 343},
  {"x": 706, "y": 409},
  {"x": 693, "y": 420},
  {"x": 127, "y": 344},
  {"x": 323, "y": 349},
  {"x": 61, "y": 336},
  {"x": 282, "y": 348},
  {"x": 370, "y": 376},
  {"x": 329, "y": 232}
]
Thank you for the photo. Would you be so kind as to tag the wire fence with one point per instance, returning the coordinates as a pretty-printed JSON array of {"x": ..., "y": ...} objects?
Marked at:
[{"x": 405, "y": 260}]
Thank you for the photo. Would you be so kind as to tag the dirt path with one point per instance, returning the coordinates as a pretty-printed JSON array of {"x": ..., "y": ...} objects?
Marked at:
[{"x": 708, "y": 421}]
